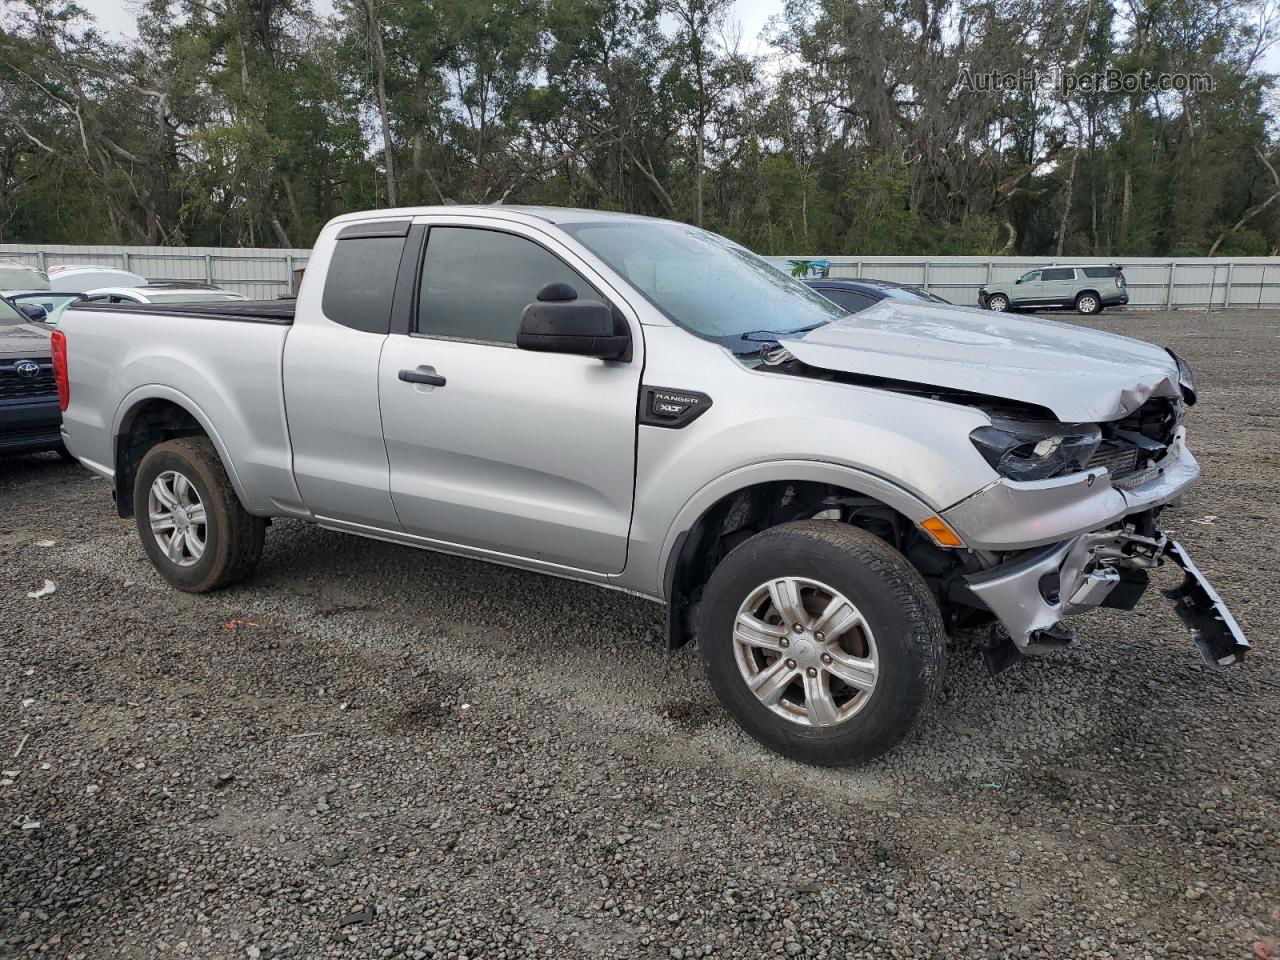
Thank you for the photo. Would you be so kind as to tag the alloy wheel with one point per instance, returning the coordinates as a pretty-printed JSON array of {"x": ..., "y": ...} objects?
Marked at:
[
  {"x": 178, "y": 519},
  {"x": 805, "y": 651}
]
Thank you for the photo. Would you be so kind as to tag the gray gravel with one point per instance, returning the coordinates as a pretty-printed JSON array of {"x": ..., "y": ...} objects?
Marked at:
[{"x": 369, "y": 751}]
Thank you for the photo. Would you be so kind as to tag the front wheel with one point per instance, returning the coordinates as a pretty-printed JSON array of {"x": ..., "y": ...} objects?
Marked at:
[
  {"x": 998, "y": 302},
  {"x": 822, "y": 641},
  {"x": 193, "y": 526}
]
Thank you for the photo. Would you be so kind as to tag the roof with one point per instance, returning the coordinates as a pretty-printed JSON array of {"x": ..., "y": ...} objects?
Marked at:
[{"x": 545, "y": 213}]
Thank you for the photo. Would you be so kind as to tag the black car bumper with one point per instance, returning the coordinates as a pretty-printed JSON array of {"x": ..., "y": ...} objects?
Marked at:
[{"x": 28, "y": 425}]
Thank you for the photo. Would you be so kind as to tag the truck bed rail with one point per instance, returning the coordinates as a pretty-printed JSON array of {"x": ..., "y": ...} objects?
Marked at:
[{"x": 245, "y": 311}]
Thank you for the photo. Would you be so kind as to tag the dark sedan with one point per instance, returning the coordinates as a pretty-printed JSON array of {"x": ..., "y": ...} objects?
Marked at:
[{"x": 857, "y": 295}]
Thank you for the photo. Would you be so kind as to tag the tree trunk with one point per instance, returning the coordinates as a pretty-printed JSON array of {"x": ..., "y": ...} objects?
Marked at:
[
  {"x": 1066, "y": 207},
  {"x": 1126, "y": 211},
  {"x": 702, "y": 132},
  {"x": 380, "y": 62}
]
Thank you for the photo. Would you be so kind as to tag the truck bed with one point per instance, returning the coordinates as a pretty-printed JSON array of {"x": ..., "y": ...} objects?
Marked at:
[{"x": 245, "y": 311}]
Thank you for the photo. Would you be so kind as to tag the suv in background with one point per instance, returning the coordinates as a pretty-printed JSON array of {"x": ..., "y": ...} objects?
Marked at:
[{"x": 1086, "y": 289}]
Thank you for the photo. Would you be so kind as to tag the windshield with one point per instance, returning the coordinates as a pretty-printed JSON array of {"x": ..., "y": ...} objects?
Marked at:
[
  {"x": 10, "y": 315},
  {"x": 705, "y": 283},
  {"x": 17, "y": 276},
  {"x": 911, "y": 293}
]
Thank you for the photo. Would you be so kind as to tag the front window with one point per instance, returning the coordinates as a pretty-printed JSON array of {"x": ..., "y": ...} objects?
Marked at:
[
  {"x": 1031, "y": 277},
  {"x": 705, "y": 283}
]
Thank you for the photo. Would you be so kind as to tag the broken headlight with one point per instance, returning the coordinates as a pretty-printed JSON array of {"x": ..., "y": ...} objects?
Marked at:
[
  {"x": 1186, "y": 378},
  {"x": 1027, "y": 450}
]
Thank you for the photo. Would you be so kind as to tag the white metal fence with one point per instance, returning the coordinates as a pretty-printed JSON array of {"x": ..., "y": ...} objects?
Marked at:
[
  {"x": 1154, "y": 283},
  {"x": 255, "y": 272},
  {"x": 1204, "y": 283}
]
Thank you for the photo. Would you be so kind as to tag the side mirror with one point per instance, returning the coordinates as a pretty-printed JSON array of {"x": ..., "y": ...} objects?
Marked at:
[
  {"x": 1018, "y": 281},
  {"x": 34, "y": 312},
  {"x": 558, "y": 322}
]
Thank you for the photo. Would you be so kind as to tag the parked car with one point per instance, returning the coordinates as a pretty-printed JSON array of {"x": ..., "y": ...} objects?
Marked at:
[
  {"x": 71, "y": 278},
  {"x": 856, "y": 295},
  {"x": 29, "y": 414},
  {"x": 16, "y": 276},
  {"x": 164, "y": 291},
  {"x": 1086, "y": 289},
  {"x": 813, "y": 495},
  {"x": 45, "y": 306}
]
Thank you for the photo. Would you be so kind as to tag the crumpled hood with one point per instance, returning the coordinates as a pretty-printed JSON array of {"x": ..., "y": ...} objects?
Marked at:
[
  {"x": 1081, "y": 375},
  {"x": 22, "y": 341}
]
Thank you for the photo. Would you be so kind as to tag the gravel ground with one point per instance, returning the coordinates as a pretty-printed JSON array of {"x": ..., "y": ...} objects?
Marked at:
[{"x": 369, "y": 751}]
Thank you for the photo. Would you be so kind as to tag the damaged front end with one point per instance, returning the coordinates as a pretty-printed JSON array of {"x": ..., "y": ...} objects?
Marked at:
[{"x": 1032, "y": 593}]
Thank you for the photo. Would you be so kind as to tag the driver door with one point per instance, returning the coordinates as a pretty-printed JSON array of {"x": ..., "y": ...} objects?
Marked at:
[
  {"x": 505, "y": 452},
  {"x": 1026, "y": 292}
]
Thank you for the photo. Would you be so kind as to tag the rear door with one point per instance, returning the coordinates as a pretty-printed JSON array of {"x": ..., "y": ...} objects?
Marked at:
[
  {"x": 331, "y": 375},
  {"x": 1058, "y": 286},
  {"x": 511, "y": 453}
]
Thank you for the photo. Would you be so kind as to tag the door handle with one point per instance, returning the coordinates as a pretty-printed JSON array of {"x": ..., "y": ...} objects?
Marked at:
[{"x": 425, "y": 375}]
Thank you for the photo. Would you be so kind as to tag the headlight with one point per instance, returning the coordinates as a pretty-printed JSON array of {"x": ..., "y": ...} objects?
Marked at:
[
  {"x": 1186, "y": 378},
  {"x": 1036, "y": 451}
]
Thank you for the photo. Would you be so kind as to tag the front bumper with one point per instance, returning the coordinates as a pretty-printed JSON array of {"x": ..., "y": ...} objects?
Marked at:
[
  {"x": 27, "y": 426},
  {"x": 1008, "y": 515},
  {"x": 1108, "y": 568}
]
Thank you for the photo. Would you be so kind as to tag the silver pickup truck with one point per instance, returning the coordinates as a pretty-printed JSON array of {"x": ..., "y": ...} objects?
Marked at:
[{"x": 816, "y": 497}]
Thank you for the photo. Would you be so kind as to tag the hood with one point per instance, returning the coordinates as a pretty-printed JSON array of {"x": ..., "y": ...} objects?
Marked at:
[
  {"x": 1081, "y": 375},
  {"x": 21, "y": 341}
]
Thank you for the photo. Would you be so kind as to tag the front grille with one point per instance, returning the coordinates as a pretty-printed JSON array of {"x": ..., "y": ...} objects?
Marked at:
[
  {"x": 14, "y": 386},
  {"x": 1139, "y": 440},
  {"x": 1121, "y": 460}
]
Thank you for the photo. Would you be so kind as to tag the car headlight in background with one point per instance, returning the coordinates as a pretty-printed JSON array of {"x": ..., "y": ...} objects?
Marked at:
[
  {"x": 1029, "y": 450},
  {"x": 1186, "y": 378}
]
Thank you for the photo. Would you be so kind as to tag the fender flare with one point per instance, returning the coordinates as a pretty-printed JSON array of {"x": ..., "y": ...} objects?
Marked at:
[
  {"x": 158, "y": 391},
  {"x": 860, "y": 481}
]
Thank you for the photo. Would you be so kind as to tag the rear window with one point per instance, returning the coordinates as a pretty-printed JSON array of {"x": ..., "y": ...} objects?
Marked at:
[
  {"x": 1097, "y": 272},
  {"x": 362, "y": 281},
  {"x": 1058, "y": 273}
]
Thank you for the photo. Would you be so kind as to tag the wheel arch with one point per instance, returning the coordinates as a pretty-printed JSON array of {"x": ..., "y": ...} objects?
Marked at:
[
  {"x": 746, "y": 501},
  {"x": 151, "y": 415},
  {"x": 1085, "y": 292}
]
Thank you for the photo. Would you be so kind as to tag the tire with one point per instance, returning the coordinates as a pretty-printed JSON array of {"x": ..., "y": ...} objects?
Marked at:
[
  {"x": 998, "y": 302},
  {"x": 189, "y": 473},
  {"x": 899, "y": 649},
  {"x": 1088, "y": 303}
]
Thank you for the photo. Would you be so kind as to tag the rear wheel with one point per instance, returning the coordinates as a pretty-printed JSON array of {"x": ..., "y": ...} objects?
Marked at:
[
  {"x": 1088, "y": 303},
  {"x": 998, "y": 302},
  {"x": 822, "y": 641},
  {"x": 192, "y": 524}
]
